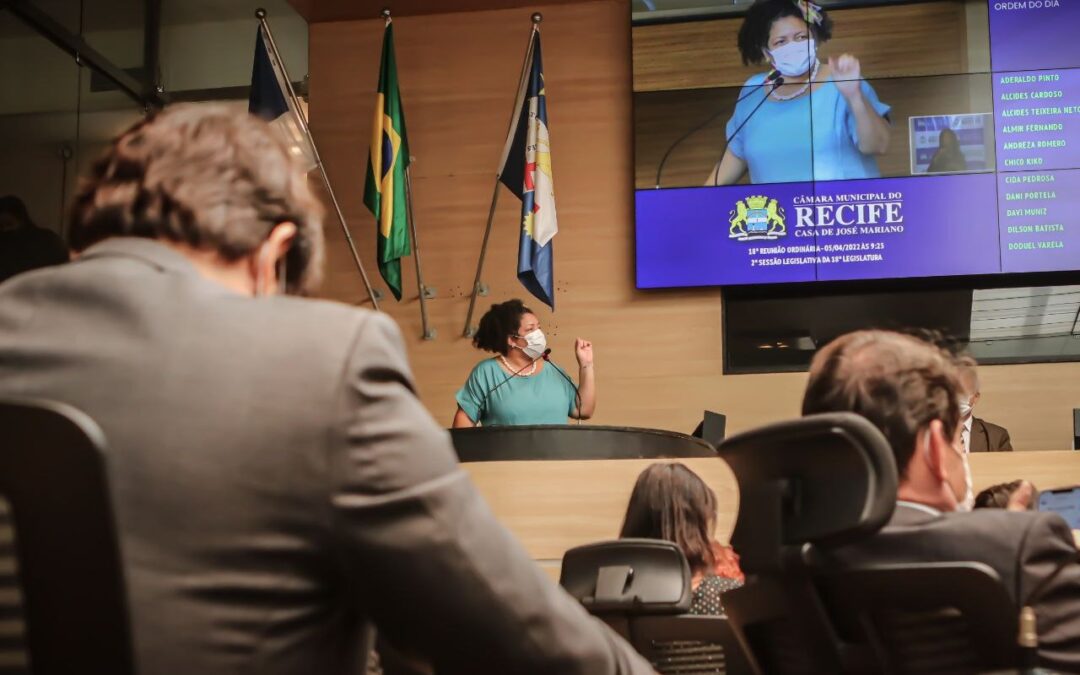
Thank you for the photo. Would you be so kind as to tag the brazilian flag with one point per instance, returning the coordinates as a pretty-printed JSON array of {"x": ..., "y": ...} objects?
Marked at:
[{"x": 384, "y": 193}]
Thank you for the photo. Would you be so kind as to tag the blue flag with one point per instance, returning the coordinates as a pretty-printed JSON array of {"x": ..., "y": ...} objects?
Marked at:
[
  {"x": 269, "y": 101},
  {"x": 526, "y": 170}
]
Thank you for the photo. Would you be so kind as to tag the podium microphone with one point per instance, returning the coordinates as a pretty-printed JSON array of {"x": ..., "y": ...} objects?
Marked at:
[
  {"x": 773, "y": 79},
  {"x": 508, "y": 378},
  {"x": 577, "y": 394}
]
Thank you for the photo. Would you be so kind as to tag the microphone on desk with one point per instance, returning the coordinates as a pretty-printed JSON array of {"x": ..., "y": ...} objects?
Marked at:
[
  {"x": 517, "y": 372},
  {"x": 773, "y": 79},
  {"x": 577, "y": 394}
]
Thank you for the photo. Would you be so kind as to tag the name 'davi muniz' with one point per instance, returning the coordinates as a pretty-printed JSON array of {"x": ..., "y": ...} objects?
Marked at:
[{"x": 849, "y": 214}]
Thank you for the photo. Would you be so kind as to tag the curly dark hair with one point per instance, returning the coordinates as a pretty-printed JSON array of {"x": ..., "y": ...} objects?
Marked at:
[
  {"x": 499, "y": 323},
  {"x": 671, "y": 502},
  {"x": 206, "y": 176},
  {"x": 754, "y": 33},
  {"x": 898, "y": 382}
]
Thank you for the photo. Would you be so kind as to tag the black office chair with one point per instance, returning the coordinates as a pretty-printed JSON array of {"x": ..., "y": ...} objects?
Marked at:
[
  {"x": 820, "y": 482},
  {"x": 927, "y": 618},
  {"x": 641, "y": 588},
  {"x": 52, "y": 473}
]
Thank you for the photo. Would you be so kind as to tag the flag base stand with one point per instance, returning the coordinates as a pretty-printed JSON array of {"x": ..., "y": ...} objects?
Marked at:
[
  {"x": 482, "y": 290},
  {"x": 430, "y": 334}
]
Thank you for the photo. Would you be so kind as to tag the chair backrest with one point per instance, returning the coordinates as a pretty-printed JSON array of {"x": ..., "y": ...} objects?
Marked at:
[
  {"x": 641, "y": 589},
  {"x": 823, "y": 480},
  {"x": 52, "y": 474},
  {"x": 628, "y": 576},
  {"x": 804, "y": 486},
  {"x": 927, "y": 618}
]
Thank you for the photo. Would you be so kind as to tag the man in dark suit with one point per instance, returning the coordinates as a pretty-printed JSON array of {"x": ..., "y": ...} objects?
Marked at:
[
  {"x": 911, "y": 390},
  {"x": 23, "y": 245},
  {"x": 976, "y": 434},
  {"x": 276, "y": 481}
]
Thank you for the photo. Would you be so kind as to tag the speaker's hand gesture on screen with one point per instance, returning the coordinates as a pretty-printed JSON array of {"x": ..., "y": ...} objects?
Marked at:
[
  {"x": 846, "y": 73},
  {"x": 583, "y": 351}
]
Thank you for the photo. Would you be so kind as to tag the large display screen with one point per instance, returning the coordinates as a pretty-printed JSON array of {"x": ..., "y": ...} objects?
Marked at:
[{"x": 957, "y": 152}]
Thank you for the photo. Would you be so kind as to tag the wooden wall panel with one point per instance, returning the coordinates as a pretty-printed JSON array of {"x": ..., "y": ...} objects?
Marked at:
[{"x": 659, "y": 360}]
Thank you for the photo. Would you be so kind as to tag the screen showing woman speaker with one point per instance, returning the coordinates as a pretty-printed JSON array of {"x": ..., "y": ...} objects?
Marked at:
[{"x": 784, "y": 142}]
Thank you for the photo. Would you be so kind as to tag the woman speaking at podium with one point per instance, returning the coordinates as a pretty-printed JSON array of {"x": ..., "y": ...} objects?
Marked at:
[
  {"x": 804, "y": 120},
  {"x": 519, "y": 385}
]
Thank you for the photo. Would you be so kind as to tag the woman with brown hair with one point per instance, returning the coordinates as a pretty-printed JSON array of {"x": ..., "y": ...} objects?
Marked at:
[{"x": 671, "y": 502}]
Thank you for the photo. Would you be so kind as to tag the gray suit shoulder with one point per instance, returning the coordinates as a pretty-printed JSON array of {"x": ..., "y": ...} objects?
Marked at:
[{"x": 337, "y": 321}]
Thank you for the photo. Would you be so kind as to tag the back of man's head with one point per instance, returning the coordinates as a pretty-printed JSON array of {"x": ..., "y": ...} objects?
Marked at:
[
  {"x": 898, "y": 382},
  {"x": 13, "y": 213},
  {"x": 204, "y": 176}
]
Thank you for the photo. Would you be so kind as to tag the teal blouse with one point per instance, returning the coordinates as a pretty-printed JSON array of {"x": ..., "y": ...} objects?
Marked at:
[{"x": 543, "y": 398}]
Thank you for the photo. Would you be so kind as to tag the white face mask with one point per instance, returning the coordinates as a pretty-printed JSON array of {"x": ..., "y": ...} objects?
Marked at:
[
  {"x": 536, "y": 344},
  {"x": 967, "y": 502},
  {"x": 794, "y": 58},
  {"x": 965, "y": 408}
]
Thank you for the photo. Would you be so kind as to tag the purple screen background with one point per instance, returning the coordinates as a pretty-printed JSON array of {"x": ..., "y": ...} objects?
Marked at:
[
  {"x": 1033, "y": 34},
  {"x": 683, "y": 234}
]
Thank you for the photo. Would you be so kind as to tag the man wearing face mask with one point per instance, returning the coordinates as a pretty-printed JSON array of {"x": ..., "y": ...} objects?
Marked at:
[
  {"x": 977, "y": 435},
  {"x": 910, "y": 390},
  {"x": 276, "y": 482},
  {"x": 519, "y": 385},
  {"x": 803, "y": 120}
]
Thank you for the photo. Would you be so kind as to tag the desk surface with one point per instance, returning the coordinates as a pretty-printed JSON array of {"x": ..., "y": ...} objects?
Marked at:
[
  {"x": 555, "y": 505},
  {"x": 1045, "y": 469}
]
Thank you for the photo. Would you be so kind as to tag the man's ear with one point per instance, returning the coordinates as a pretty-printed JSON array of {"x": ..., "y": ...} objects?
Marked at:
[
  {"x": 935, "y": 447},
  {"x": 281, "y": 240},
  {"x": 266, "y": 257}
]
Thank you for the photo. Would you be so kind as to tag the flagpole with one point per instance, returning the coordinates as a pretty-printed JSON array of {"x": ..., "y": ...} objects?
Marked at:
[
  {"x": 260, "y": 14},
  {"x": 429, "y": 333},
  {"x": 470, "y": 330}
]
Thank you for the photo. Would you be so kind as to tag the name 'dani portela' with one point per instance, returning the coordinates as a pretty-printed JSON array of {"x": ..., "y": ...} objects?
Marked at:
[{"x": 848, "y": 214}]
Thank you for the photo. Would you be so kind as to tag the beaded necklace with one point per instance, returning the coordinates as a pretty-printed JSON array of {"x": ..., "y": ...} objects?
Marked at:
[
  {"x": 514, "y": 371},
  {"x": 806, "y": 85}
]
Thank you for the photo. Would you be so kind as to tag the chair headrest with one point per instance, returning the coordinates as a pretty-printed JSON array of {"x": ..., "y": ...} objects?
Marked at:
[
  {"x": 824, "y": 480},
  {"x": 628, "y": 576}
]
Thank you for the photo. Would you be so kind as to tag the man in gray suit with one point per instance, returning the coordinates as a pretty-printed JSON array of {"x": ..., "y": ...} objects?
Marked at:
[
  {"x": 276, "y": 481},
  {"x": 910, "y": 390}
]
